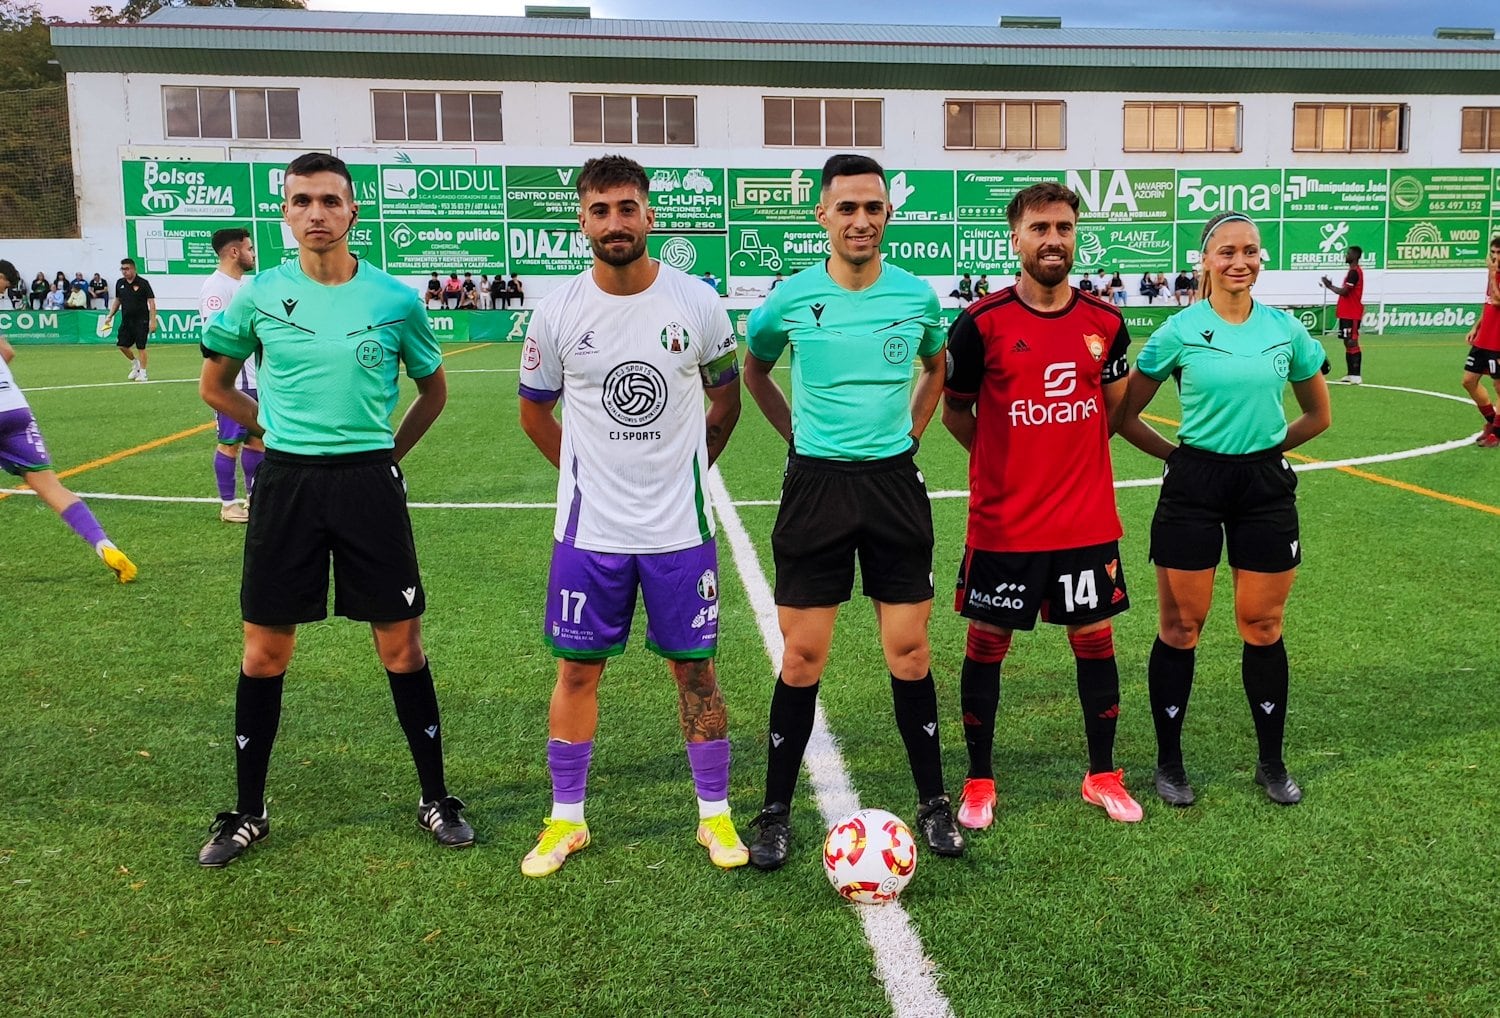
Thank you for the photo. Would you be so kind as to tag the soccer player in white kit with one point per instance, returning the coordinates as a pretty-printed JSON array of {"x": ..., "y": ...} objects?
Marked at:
[
  {"x": 236, "y": 251},
  {"x": 634, "y": 345}
]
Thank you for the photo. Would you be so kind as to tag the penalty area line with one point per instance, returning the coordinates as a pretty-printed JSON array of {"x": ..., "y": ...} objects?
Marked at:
[{"x": 901, "y": 963}]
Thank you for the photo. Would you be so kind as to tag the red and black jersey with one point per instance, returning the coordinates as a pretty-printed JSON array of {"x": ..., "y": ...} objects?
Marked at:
[
  {"x": 1039, "y": 471},
  {"x": 1351, "y": 305}
]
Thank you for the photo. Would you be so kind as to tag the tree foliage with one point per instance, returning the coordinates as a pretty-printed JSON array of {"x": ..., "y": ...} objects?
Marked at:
[
  {"x": 135, "y": 10},
  {"x": 25, "y": 47}
]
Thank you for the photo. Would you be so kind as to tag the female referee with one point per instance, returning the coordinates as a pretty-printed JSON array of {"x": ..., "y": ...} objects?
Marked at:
[{"x": 1227, "y": 480}]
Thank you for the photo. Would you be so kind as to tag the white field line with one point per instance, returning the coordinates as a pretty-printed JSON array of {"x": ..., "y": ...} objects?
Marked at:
[{"x": 900, "y": 961}]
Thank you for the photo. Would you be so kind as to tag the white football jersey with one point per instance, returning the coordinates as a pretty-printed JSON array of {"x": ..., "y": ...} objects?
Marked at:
[
  {"x": 218, "y": 290},
  {"x": 11, "y": 397},
  {"x": 631, "y": 373}
]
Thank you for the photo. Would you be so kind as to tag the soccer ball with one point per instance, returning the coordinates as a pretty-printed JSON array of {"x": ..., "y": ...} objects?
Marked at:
[{"x": 870, "y": 856}]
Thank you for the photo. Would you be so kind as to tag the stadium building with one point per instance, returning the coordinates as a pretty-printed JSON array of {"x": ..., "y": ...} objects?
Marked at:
[{"x": 464, "y": 134}]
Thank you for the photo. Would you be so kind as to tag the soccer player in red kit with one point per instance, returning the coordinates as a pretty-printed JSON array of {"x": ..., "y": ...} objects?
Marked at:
[
  {"x": 1350, "y": 310},
  {"x": 1484, "y": 351},
  {"x": 1035, "y": 373}
]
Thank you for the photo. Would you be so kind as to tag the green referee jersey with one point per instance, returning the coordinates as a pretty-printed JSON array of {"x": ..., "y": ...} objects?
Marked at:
[
  {"x": 328, "y": 355},
  {"x": 1232, "y": 378},
  {"x": 852, "y": 354}
]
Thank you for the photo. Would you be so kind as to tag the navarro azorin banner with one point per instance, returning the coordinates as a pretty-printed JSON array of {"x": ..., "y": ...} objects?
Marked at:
[{"x": 743, "y": 226}]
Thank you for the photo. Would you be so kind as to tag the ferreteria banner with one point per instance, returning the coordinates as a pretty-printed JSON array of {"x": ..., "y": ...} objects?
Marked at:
[
  {"x": 503, "y": 326},
  {"x": 745, "y": 225}
]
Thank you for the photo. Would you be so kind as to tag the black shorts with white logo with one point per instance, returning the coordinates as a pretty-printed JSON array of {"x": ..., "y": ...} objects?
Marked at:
[
  {"x": 1483, "y": 362},
  {"x": 1069, "y": 587},
  {"x": 1208, "y": 498},
  {"x": 833, "y": 512},
  {"x": 1349, "y": 330},
  {"x": 308, "y": 509}
]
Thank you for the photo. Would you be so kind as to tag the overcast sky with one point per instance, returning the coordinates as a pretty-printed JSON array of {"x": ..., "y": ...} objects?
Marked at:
[{"x": 1383, "y": 17}]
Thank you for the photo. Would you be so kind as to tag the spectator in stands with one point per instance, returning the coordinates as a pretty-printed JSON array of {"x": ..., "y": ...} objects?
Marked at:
[
  {"x": 39, "y": 290},
  {"x": 1085, "y": 284},
  {"x": 498, "y": 297},
  {"x": 468, "y": 298},
  {"x": 78, "y": 296},
  {"x": 1117, "y": 289},
  {"x": 1148, "y": 288},
  {"x": 982, "y": 287},
  {"x": 1193, "y": 286},
  {"x": 98, "y": 291},
  {"x": 434, "y": 292},
  {"x": 514, "y": 291},
  {"x": 485, "y": 303},
  {"x": 711, "y": 280},
  {"x": 776, "y": 282},
  {"x": 470, "y": 288},
  {"x": 452, "y": 290},
  {"x": 53, "y": 301},
  {"x": 60, "y": 281},
  {"x": 964, "y": 291},
  {"x": 1182, "y": 287}
]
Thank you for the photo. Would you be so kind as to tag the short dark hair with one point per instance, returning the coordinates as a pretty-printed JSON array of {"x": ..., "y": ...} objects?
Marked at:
[
  {"x": 849, "y": 164},
  {"x": 309, "y": 163},
  {"x": 13, "y": 278},
  {"x": 127, "y": 261},
  {"x": 229, "y": 235},
  {"x": 604, "y": 172},
  {"x": 1048, "y": 192},
  {"x": 1357, "y": 251},
  {"x": 1495, "y": 240}
]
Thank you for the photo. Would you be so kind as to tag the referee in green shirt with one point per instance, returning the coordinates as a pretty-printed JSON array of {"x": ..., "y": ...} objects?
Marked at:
[
  {"x": 855, "y": 326},
  {"x": 1227, "y": 482},
  {"x": 329, "y": 333}
]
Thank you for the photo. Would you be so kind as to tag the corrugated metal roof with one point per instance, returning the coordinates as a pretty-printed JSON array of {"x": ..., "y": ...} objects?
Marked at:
[{"x": 973, "y": 57}]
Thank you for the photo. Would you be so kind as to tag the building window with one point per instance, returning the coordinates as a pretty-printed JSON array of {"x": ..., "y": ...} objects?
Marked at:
[
  {"x": 437, "y": 116},
  {"x": 823, "y": 123},
  {"x": 1004, "y": 124},
  {"x": 193, "y": 112},
  {"x": 1182, "y": 127},
  {"x": 635, "y": 119},
  {"x": 1481, "y": 129},
  {"x": 1349, "y": 127}
]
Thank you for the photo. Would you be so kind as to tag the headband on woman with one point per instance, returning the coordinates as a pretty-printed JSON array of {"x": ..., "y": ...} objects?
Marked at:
[{"x": 1233, "y": 217}]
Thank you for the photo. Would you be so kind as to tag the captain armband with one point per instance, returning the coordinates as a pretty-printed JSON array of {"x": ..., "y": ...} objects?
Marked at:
[{"x": 721, "y": 370}]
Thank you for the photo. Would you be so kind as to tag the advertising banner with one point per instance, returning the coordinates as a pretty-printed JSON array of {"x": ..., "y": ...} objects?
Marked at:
[
  {"x": 920, "y": 248},
  {"x": 1334, "y": 194},
  {"x": 1203, "y": 194},
  {"x": 921, "y": 196},
  {"x": 1127, "y": 248},
  {"x": 475, "y": 194},
  {"x": 175, "y": 247},
  {"x": 541, "y": 194},
  {"x": 1438, "y": 244},
  {"x": 688, "y": 198},
  {"x": 187, "y": 190},
  {"x": 1321, "y": 243},
  {"x": 1124, "y": 196},
  {"x": 984, "y": 248},
  {"x": 547, "y": 250},
  {"x": 692, "y": 254},
  {"x": 773, "y": 196},
  {"x": 982, "y": 195},
  {"x": 1441, "y": 194},
  {"x": 767, "y": 250},
  {"x": 422, "y": 246}
]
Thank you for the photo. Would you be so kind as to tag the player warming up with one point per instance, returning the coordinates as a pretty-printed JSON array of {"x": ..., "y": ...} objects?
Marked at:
[
  {"x": 1226, "y": 482},
  {"x": 331, "y": 332},
  {"x": 1484, "y": 351},
  {"x": 852, "y": 490},
  {"x": 631, "y": 346},
  {"x": 1350, "y": 310},
  {"x": 236, "y": 253},
  {"x": 1036, "y": 373},
  {"x": 24, "y": 454}
]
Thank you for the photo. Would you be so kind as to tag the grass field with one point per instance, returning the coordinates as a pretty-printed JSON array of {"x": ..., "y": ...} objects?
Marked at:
[{"x": 1376, "y": 896}]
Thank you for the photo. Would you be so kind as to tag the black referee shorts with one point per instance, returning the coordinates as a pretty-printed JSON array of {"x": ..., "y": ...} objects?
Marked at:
[
  {"x": 833, "y": 512},
  {"x": 1209, "y": 498},
  {"x": 134, "y": 332},
  {"x": 308, "y": 509}
]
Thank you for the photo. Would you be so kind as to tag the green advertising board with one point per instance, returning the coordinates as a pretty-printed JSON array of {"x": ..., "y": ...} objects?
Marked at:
[
  {"x": 174, "y": 247},
  {"x": 473, "y": 193},
  {"x": 921, "y": 196},
  {"x": 983, "y": 247},
  {"x": 1321, "y": 243},
  {"x": 694, "y": 254},
  {"x": 688, "y": 198},
  {"x": 772, "y": 196},
  {"x": 1438, "y": 243},
  {"x": 1203, "y": 194},
  {"x": 1334, "y": 194},
  {"x": 1441, "y": 194},
  {"x": 1124, "y": 196},
  {"x": 422, "y": 246},
  {"x": 541, "y": 194},
  {"x": 187, "y": 190},
  {"x": 1126, "y": 248},
  {"x": 767, "y": 250},
  {"x": 923, "y": 249},
  {"x": 1190, "y": 243},
  {"x": 547, "y": 250},
  {"x": 982, "y": 195}
]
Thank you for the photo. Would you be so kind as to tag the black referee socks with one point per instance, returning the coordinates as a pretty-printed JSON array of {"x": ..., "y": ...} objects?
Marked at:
[
  {"x": 917, "y": 719},
  {"x": 417, "y": 710},
  {"x": 1265, "y": 673},
  {"x": 792, "y": 712},
  {"x": 257, "y": 715},
  {"x": 1170, "y": 679}
]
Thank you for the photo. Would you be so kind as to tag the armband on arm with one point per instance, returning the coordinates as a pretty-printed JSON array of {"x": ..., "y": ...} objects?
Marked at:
[{"x": 721, "y": 370}]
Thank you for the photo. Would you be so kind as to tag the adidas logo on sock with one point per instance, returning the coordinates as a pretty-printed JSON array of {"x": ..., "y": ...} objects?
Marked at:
[
  {"x": 1173, "y": 711},
  {"x": 432, "y": 731},
  {"x": 776, "y": 740},
  {"x": 1267, "y": 706},
  {"x": 242, "y": 741},
  {"x": 930, "y": 727}
]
